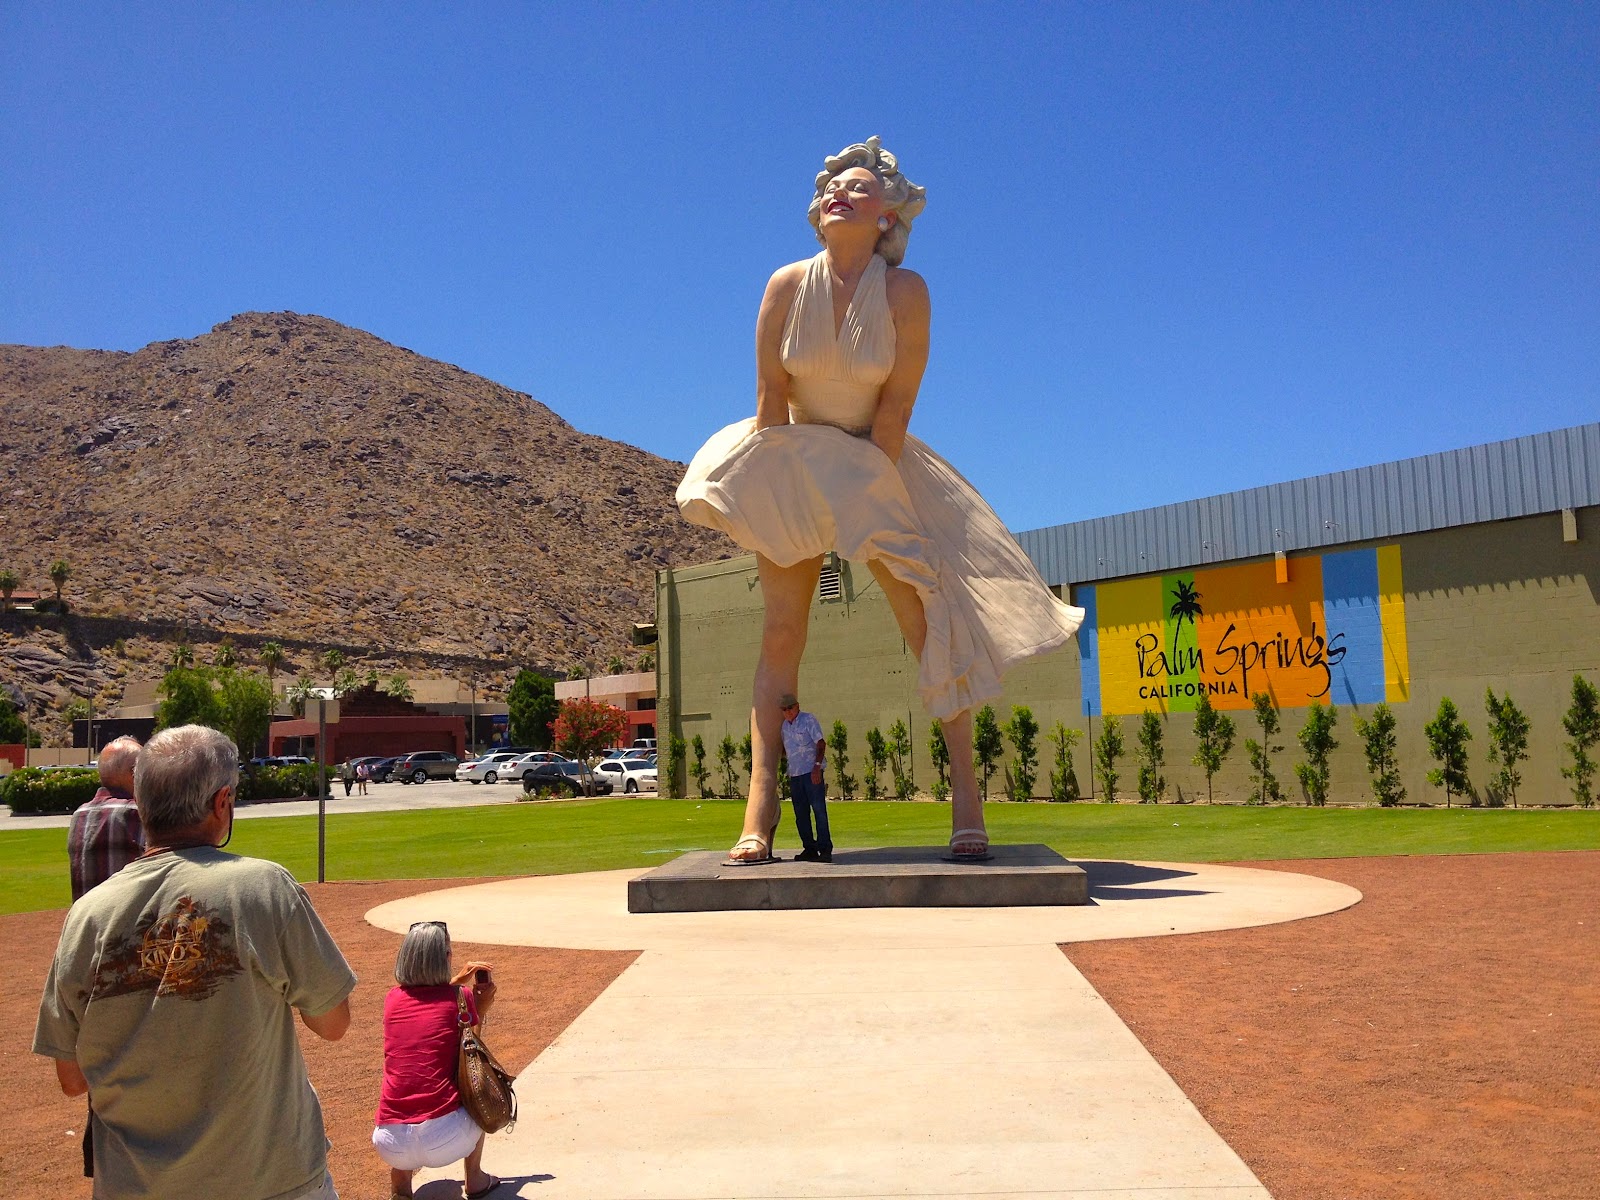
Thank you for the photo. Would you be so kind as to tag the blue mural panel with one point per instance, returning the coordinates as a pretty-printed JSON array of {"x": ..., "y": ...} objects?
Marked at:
[
  {"x": 1355, "y": 626},
  {"x": 1088, "y": 650}
]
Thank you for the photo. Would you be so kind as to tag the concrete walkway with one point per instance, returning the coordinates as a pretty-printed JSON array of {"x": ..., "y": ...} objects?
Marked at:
[{"x": 859, "y": 1052}]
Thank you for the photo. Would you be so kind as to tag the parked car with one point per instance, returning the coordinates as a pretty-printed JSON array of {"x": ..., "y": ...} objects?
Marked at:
[
  {"x": 628, "y": 774},
  {"x": 425, "y": 765},
  {"x": 512, "y": 771},
  {"x": 281, "y": 760},
  {"x": 643, "y": 744},
  {"x": 381, "y": 770},
  {"x": 575, "y": 778},
  {"x": 487, "y": 768}
]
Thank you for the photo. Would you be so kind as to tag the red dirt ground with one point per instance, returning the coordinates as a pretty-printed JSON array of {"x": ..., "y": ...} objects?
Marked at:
[{"x": 1442, "y": 1038}]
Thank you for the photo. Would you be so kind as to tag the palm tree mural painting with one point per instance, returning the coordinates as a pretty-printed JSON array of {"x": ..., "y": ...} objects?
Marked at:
[{"x": 1186, "y": 606}]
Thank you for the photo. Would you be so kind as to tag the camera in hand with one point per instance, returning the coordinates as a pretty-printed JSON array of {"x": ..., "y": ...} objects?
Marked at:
[{"x": 480, "y": 976}]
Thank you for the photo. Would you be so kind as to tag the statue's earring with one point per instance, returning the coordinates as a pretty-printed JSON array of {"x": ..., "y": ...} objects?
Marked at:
[{"x": 883, "y": 224}]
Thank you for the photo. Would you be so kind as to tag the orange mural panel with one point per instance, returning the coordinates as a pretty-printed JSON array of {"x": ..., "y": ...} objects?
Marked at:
[{"x": 1260, "y": 635}]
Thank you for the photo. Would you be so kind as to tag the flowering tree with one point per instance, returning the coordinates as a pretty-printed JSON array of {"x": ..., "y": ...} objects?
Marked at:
[{"x": 584, "y": 727}]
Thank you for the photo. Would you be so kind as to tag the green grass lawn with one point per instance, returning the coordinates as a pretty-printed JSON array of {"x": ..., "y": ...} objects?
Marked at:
[{"x": 598, "y": 835}]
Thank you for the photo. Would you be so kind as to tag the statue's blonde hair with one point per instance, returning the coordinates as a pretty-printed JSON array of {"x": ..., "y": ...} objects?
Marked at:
[{"x": 900, "y": 195}]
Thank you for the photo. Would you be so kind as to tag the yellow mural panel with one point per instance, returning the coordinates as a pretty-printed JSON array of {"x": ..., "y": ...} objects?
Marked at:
[
  {"x": 1128, "y": 613},
  {"x": 1392, "y": 609}
]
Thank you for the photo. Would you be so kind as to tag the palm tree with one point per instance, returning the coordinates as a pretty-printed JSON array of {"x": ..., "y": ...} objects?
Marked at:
[
  {"x": 60, "y": 572},
  {"x": 333, "y": 660},
  {"x": 225, "y": 655},
  {"x": 9, "y": 580},
  {"x": 182, "y": 655},
  {"x": 1187, "y": 604},
  {"x": 271, "y": 658}
]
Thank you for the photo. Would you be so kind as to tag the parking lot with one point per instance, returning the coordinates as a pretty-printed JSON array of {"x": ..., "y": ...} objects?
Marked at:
[{"x": 380, "y": 797}]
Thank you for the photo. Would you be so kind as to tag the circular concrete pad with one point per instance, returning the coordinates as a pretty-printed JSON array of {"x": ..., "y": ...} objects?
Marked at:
[{"x": 589, "y": 912}]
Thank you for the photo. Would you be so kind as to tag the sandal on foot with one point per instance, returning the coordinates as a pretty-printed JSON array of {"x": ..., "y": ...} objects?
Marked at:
[
  {"x": 494, "y": 1182},
  {"x": 751, "y": 841},
  {"x": 969, "y": 837}
]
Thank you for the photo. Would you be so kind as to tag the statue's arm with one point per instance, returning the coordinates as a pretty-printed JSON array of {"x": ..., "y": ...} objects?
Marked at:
[
  {"x": 907, "y": 294},
  {"x": 772, "y": 381}
]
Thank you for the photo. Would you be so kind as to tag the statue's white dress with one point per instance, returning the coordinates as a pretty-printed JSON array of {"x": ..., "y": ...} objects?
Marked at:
[{"x": 792, "y": 492}]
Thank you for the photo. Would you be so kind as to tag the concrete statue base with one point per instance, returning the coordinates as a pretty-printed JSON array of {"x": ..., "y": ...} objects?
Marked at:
[{"x": 889, "y": 877}]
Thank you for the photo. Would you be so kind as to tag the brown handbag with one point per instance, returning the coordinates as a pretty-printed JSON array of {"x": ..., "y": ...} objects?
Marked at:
[{"x": 486, "y": 1087}]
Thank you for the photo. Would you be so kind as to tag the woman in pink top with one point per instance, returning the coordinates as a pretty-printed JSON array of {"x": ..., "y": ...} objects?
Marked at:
[{"x": 421, "y": 1122}]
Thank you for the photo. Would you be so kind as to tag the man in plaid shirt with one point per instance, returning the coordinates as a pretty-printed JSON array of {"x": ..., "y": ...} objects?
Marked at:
[{"x": 105, "y": 834}]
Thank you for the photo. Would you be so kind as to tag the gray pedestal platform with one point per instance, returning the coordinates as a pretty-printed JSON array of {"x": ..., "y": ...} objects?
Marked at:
[{"x": 890, "y": 877}]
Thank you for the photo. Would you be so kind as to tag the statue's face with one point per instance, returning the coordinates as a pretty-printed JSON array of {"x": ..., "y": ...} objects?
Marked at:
[{"x": 854, "y": 196}]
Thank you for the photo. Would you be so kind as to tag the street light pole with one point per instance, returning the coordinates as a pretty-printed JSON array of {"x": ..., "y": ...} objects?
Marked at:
[{"x": 322, "y": 790}]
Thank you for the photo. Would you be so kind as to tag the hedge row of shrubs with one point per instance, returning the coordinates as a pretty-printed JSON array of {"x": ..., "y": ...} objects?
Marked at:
[
  {"x": 32, "y": 791},
  {"x": 35, "y": 792}
]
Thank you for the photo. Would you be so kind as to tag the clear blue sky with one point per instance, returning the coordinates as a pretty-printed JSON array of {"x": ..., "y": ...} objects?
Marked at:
[{"x": 1174, "y": 249}]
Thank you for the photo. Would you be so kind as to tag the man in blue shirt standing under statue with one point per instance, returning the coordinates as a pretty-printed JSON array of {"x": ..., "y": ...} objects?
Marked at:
[{"x": 804, "y": 747}]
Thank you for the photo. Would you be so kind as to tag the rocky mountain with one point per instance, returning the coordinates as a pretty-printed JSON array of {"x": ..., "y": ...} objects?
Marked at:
[{"x": 288, "y": 477}]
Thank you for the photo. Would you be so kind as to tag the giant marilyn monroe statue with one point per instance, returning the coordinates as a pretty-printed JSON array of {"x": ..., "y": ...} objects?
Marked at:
[{"x": 827, "y": 464}]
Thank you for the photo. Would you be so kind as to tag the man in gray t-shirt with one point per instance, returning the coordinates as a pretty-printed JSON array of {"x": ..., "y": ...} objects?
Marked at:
[{"x": 173, "y": 994}]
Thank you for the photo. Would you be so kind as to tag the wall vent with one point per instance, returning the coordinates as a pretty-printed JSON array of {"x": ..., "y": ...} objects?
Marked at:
[{"x": 829, "y": 585}]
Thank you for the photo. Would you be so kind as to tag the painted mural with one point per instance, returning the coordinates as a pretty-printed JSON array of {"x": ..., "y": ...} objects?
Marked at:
[{"x": 1332, "y": 627}]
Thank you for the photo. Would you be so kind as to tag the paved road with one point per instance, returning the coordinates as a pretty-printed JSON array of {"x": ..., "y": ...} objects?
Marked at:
[
  {"x": 856, "y": 1053},
  {"x": 380, "y": 797}
]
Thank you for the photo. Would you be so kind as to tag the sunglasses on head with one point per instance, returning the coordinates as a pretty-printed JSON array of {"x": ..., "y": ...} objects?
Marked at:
[{"x": 421, "y": 924}]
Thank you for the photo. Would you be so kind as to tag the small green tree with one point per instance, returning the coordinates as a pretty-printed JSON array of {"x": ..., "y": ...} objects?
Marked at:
[
  {"x": 615, "y": 665},
  {"x": 747, "y": 755},
  {"x": 877, "y": 759},
  {"x": 839, "y": 753},
  {"x": 225, "y": 655},
  {"x": 531, "y": 710},
  {"x": 1448, "y": 736},
  {"x": 188, "y": 697},
  {"x": 727, "y": 751},
  {"x": 1267, "y": 789},
  {"x": 244, "y": 702},
  {"x": 332, "y": 660},
  {"x": 60, "y": 572},
  {"x": 1582, "y": 723},
  {"x": 939, "y": 755},
  {"x": 676, "y": 747},
  {"x": 1108, "y": 749},
  {"x": 1508, "y": 745},
  {"x": 182, "y": 655},
  {"x": 899, "y": 747},
  {"x": 1152, "y": 755},
  {"x": 1213, "y": 735},
  {"x": 9, "y": 582},
  {"x": 647, "y": 661},
  {"x": 1380, "y": 745},
  {"x": 986, "y": 745},
  {"x": 699, "y": 769},
  {"x": 1063, "y": 778},
  {"x": 1022, "y": 730},
  {"x": 345, "y": 681},
  {"x": 1316, "y": 739},
  {"x": 14, "y": 730}
]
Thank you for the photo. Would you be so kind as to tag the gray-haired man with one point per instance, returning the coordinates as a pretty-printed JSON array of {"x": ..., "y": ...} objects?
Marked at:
[
  {"x": 173, "y": 993},
  {"x": 804, "y": 748}
]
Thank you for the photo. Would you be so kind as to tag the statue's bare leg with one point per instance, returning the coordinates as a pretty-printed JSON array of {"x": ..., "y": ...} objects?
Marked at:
[
  {"x": 786, "y": 594},
  {"x": 966, "y": 803}
]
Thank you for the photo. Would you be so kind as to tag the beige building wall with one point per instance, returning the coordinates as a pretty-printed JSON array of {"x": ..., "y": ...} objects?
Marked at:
[{"x": 1514, "y": 605}]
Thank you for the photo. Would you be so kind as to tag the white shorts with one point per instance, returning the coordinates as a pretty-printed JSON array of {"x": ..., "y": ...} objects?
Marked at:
[{"x": 436, "y": 1142}]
